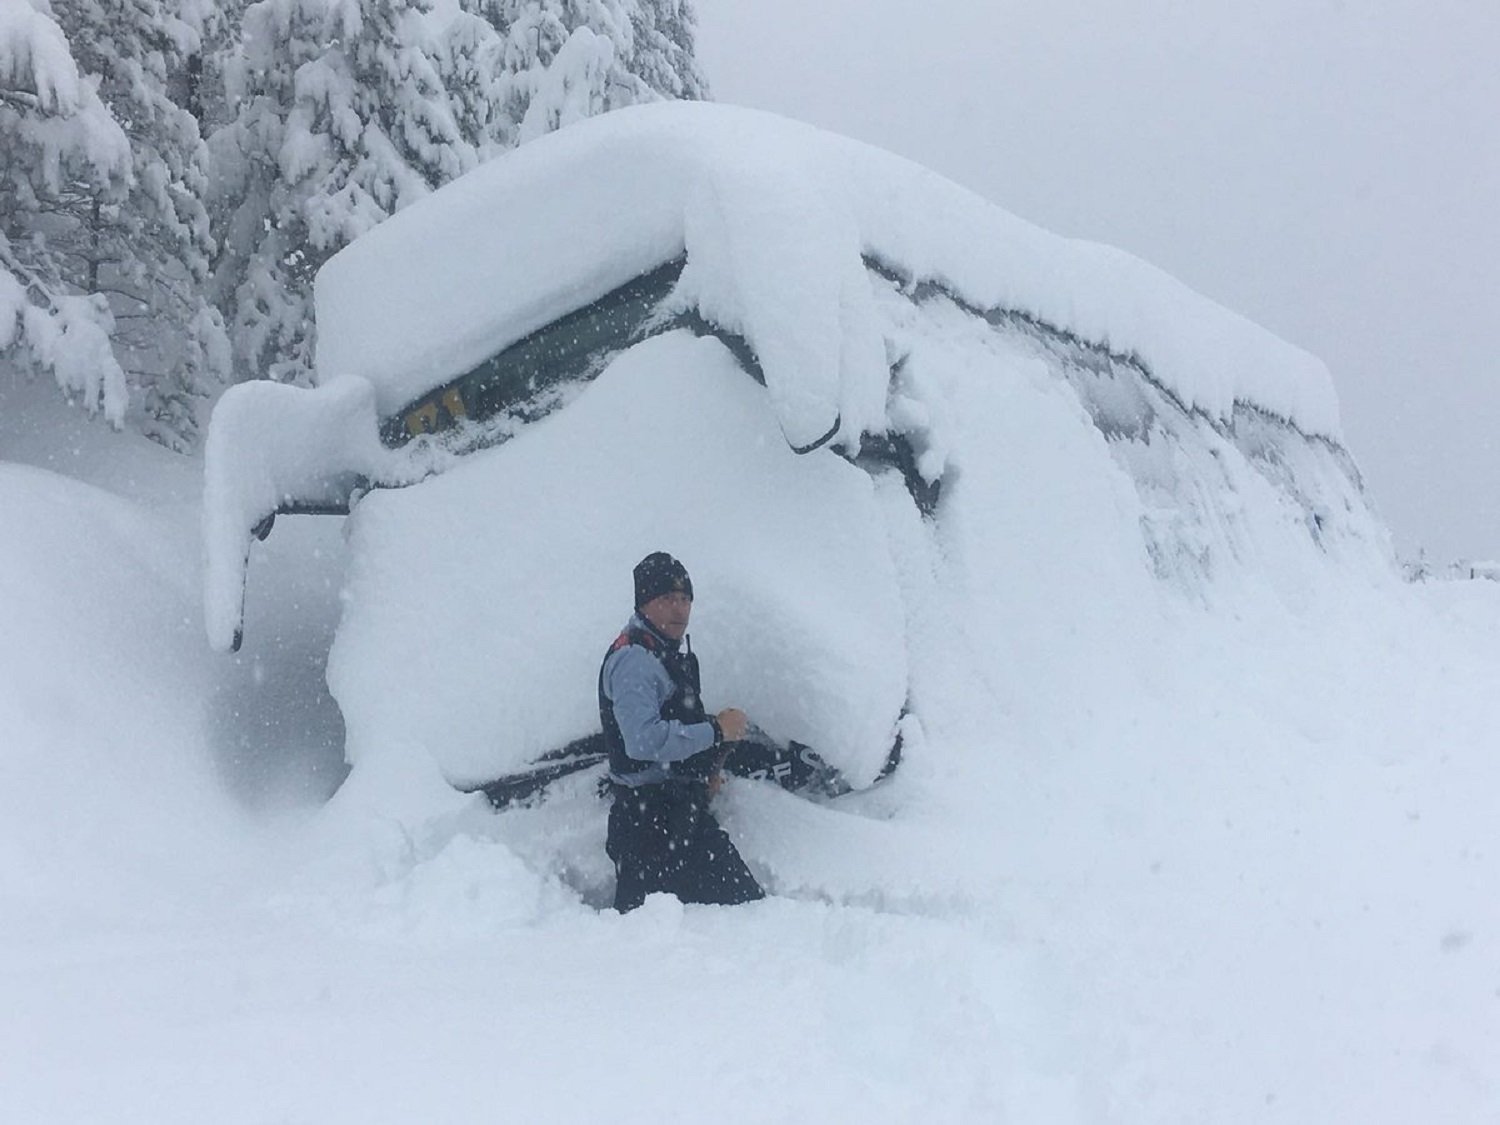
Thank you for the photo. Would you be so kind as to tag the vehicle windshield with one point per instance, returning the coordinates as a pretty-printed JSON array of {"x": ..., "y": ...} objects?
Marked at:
[{"x": 572, "y": 347}]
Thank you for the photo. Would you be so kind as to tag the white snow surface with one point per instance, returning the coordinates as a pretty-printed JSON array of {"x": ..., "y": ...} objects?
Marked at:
[
  {"x": 774, "y": 218},
  {"x": 1195, "y": 819},
  {"x": 103, "y": 773},
  {"x": 1150, "y": 857},
  {"x": 481, "y": 602}
]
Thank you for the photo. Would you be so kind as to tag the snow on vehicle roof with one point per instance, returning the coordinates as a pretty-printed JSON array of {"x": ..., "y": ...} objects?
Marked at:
[{"x": 776, "y": 219}]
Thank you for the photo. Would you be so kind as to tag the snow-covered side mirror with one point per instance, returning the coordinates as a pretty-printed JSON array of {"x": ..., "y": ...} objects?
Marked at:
[{"x": 273, "y": 449}]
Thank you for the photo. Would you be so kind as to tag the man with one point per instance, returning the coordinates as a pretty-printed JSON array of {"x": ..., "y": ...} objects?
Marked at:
[{"x": 664, "y": 754}]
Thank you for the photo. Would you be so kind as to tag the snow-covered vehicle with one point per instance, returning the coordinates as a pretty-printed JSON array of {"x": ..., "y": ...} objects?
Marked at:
[{"x": 815, "y": 372}]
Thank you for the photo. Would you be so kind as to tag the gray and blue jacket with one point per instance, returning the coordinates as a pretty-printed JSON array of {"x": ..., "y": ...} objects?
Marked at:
[{"x": 650, "y": 708}]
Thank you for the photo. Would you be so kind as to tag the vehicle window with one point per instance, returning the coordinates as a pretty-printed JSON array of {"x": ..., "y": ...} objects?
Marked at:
[
  {"x": 528, "y": 379},
  {"x": 572, "y": 347}
]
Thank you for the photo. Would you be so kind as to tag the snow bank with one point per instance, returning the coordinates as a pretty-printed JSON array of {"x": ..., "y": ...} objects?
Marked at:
[
  {"x": 106, "y": 796},
  {"x": 774, "y": 218},
  {"x": 480, "y": 602}
]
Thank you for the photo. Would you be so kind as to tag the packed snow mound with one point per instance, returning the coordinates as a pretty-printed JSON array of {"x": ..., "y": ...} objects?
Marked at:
[
  {"x": 480, "y": 602},
  {"x": 105, "y": 792},
  {"x": 776, "y": 220}
]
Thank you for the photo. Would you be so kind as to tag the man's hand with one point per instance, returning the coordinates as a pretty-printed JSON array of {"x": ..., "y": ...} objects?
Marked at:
[{"x": 733, "y": 723}]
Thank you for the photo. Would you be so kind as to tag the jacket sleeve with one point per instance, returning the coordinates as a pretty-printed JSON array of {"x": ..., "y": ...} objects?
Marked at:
[{"x": 637, "y": 685}]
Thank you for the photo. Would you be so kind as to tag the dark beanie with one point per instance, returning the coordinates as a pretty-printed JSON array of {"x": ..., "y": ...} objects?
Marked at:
[{"x": 657, "y": 574}]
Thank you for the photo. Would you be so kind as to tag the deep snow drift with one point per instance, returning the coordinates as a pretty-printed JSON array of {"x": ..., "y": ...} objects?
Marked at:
[
  {"x": 1193, "y": 822},
  {"x": 1150, "y": 861}
]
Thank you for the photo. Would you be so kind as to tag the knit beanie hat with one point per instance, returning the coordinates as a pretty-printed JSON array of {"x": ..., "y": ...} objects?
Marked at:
[{"x": 657, "y": 574}]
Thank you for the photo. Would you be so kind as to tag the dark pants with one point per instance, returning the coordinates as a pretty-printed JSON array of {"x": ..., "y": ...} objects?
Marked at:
[{"x": 664, "y": 838}]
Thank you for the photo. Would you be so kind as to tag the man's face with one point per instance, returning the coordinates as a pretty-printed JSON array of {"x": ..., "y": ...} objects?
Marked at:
[{"x": 669, "y": 613}]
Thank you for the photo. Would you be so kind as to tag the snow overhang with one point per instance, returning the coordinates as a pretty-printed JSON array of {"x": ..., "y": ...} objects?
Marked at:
[{"x": 275, "y": 448}]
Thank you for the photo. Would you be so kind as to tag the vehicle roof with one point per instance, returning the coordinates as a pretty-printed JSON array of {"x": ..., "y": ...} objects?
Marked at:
[{"x": 777, "y": 221}]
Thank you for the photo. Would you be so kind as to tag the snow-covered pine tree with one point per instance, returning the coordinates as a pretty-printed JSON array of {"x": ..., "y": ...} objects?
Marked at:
[
  {"x": 664, "y": 42},
  {"x": 468, "y": 54},
  {"x": 199, "y": 88},
  {"x": 342, "y": 119},
  {"x": 347, "y": 110},
  {"x": 132, "y": 245},
  {"x": 564, "y": 60},
  {"x": 62, "y": 150}
]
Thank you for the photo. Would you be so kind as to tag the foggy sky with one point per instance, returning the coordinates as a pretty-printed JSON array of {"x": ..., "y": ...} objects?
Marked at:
[{"x": 1330, "y": 169}]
